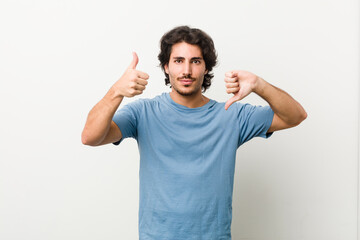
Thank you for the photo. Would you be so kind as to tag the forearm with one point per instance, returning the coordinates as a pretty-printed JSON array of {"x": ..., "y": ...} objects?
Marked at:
[
  {"x": 99, "y": 119},
  {"x": 283, "y": 105},
  {"x": 99, "y": 129}
]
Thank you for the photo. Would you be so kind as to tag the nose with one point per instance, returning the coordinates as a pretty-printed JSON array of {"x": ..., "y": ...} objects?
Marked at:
[{"x": 187, "y": 68}]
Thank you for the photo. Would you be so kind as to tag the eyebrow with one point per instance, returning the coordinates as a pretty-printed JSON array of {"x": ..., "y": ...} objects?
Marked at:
[{"x": 194, "y": 58}]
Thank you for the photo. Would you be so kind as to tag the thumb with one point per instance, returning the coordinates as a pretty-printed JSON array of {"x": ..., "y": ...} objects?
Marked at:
[
  {"x": 231, "y": 101},
  {"x": 230, "y": 74},
  {"x": 135, "y": 61}
]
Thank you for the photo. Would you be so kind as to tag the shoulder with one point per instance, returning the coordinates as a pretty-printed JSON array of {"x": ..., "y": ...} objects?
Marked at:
[
  {"x": 238, "y": 108},
  {"x": 138, "y": 103},
  {"x": 246, "y": 112},
  {"x": 247, "y": 107}
]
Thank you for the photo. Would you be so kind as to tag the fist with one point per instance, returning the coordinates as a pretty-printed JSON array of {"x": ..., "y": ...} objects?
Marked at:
[
  {"x": 240, "y": 83},
  {"x": 132, "y": 82}
]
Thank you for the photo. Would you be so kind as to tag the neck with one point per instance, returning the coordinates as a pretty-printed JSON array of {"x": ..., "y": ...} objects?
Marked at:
[{"x": 193, "y": 101}]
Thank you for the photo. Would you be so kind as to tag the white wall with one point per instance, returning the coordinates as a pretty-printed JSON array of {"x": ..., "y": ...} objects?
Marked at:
[{"x": 58, "y": 58}]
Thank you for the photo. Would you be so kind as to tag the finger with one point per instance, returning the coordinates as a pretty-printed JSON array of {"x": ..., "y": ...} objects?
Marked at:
[
  {"x": 230, "y": 74},
  {"x": 230, "y": 101},
  {"x": 142, "y": 75},
  {"x": 135, "y": 92},
  {"x": 142, "y": 81},
  {"x": 233, "y": 90},
  {"x": 140, "y": 87},
  {"x": 135, "y": 61},
  {"x": 232, "y": 85},
  {"x": 231, "y": 80},
  {"x": 138, "y": 92}
]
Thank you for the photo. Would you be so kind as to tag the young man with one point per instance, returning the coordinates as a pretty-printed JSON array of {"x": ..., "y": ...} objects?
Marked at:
[{"x": 188, "y": 142}]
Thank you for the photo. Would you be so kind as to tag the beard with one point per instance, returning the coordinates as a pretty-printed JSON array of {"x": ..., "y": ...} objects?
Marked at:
[
  {"x": 185, "y": 93},
  {"x": 189, "y": 92}
]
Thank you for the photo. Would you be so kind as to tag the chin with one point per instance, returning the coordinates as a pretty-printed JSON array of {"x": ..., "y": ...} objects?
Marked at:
[{"x": 187, "y": 92}]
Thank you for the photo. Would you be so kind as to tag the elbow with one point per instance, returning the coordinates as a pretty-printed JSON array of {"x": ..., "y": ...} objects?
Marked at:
[
  {"x": 86, "y": 140},
  {"x": 304, "y": 116},
  {"x": 301, "y": 118}
]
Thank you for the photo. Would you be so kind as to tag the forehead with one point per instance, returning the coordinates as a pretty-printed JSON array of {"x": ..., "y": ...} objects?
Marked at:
[{"x": 185, "y": 50}]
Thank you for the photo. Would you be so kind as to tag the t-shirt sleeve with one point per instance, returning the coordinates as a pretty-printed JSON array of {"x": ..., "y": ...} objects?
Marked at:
[
  {"x": 126, "y": 119},
  {"x": 255, "y": 121}
]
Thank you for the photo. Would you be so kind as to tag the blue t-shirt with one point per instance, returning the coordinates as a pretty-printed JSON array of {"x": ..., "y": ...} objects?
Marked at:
[{"x": 187, "y": 162}]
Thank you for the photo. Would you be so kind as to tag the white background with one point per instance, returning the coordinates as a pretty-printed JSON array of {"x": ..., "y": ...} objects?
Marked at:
[{"x": 58, "y": 58}]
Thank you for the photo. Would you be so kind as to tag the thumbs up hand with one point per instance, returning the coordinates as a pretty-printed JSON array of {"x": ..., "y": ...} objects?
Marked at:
[
  {"x": 240, "y": 83},
  {"x": 132, "y": 82}
]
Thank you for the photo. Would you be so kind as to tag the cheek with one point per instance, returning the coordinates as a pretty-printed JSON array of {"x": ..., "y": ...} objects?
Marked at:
[
  {"x": 173, "y": 71},
  {"x": 201, "y": 71}
]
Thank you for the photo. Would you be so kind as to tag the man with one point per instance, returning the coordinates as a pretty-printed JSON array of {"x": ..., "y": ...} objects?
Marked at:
[{"x": 188, "y": 142}]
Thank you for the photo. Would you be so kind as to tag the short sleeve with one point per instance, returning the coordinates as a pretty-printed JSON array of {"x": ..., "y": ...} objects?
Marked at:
[
  {"x": 126, "y": 119},
  {"x": 255, "y": 121}
]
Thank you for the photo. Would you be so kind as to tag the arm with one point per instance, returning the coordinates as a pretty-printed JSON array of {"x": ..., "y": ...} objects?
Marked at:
[
  {"x": 99, "y": 128},
  {"x": 287, "y": 111}
]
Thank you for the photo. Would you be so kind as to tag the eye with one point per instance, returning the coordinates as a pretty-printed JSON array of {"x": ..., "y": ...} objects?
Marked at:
[
  {"x": 178, "y": 61},
  {"x": 196, "y": 61}
]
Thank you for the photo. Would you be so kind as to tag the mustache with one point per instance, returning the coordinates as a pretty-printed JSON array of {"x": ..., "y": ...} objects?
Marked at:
[{"x": 186, "y": 77}]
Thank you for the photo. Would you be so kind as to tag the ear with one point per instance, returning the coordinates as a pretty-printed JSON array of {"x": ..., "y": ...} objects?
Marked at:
[
  {"x": 206, "y": 71},
  {"x": 166, "y": 68}
]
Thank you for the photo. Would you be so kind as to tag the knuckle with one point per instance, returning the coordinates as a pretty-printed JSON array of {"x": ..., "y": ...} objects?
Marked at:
[
  {"x": 132, "y": 85},
  {"x": 129, "y": 94}
]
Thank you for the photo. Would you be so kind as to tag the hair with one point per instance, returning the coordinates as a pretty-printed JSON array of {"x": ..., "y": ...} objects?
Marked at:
[{"x": 192, "y": 36}]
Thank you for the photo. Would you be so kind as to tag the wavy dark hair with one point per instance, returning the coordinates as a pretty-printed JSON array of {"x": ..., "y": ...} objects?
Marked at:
[{"x": 192, "y": 36}]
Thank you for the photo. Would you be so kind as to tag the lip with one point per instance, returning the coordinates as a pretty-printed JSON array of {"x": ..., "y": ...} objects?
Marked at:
[{"x": 186, "y": 81}]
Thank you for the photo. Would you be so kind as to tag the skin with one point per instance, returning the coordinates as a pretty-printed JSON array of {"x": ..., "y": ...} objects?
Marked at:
[
  {"x": 99, "y": 128},
  {"x": 287, "y": 111},
  {"x": 186, "y": 64},
  {"x": 186, "y": 69}
]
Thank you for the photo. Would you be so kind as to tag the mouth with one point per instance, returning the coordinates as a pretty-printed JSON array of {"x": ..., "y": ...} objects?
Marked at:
[{"x": 186, "y": 81}]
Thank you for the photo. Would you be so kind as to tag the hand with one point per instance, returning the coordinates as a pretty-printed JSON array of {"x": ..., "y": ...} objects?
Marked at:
[
  {"x": 240, "y": 83},
  {"x": 132, "y": 82}
]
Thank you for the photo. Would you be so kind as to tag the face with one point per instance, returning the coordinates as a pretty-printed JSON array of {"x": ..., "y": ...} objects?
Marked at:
[{"x": 186, "y": 69}]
